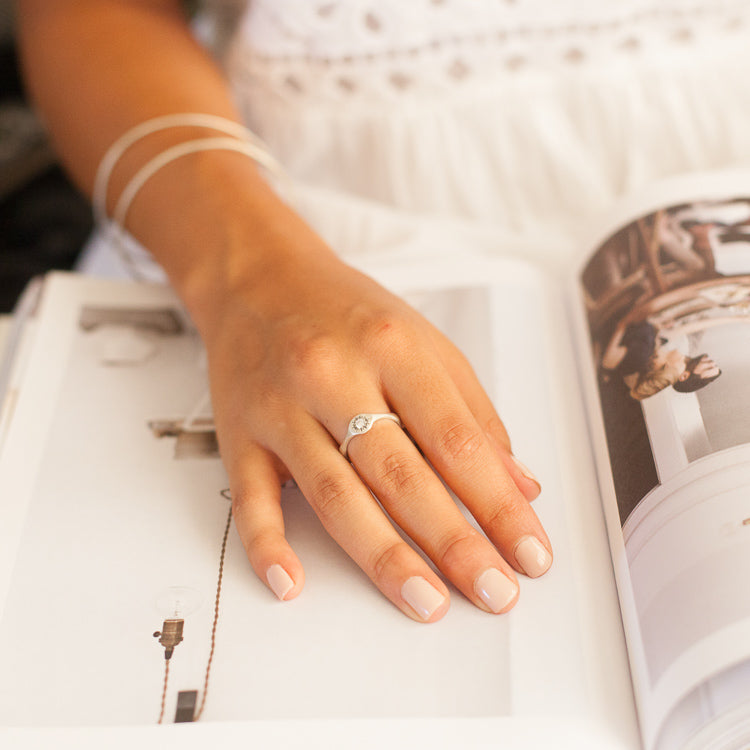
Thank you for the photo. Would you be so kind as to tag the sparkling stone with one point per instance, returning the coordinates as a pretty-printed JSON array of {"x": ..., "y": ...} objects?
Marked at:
[{"x": 360, "y": 423}]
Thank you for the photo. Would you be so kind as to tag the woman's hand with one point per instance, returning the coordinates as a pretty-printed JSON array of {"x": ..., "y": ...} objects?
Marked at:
[
  {"x": 293, "y": 357},
  {"x": 297, "y": 342}
]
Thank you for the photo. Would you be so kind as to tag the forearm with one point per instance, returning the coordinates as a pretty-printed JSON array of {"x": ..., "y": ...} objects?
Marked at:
[{"x": 96, "y": 68}]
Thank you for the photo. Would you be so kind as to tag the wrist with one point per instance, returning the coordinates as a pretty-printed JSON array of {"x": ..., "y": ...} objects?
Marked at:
[
  {"x": 248, "y": 265},
  {"x": 219, "y": 230}
]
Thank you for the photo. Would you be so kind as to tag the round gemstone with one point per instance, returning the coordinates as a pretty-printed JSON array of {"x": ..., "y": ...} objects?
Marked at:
[{"x": 361, "y": 423}]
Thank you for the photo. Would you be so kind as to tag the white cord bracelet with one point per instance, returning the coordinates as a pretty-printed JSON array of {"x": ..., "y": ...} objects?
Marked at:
[
  {"x": 115, "y": 227},
  {"x": 155, "y": 125},
  {"x": 236, "y": 138},
  {"x": 150, "y": 168}
]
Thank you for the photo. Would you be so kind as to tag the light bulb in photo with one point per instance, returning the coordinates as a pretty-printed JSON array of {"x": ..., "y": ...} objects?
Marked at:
[{"x": 177, "y": 602}]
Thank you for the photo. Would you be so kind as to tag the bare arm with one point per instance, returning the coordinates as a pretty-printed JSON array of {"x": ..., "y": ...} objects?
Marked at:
[{"x": 95, "y": 68}]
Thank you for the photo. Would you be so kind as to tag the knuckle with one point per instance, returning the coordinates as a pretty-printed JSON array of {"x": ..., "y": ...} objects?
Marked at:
[
  {"x": 316, "y": 359},
  {"x": 256, "y": 536},
  {"x": 460, "y": 442},
  {"x": 386, "y": 332},
  {"x": 261, "y": 539},
  {"x": 505, "y": 510},
  {"x": 328, "y": 494},
  {"x": 241, "y": 500},
  {"x": 402, "y": 474},
  {"x": 455, "y": 548},
  {"x": 387, "y": 558},
  {"x": 246, "y": 519}
]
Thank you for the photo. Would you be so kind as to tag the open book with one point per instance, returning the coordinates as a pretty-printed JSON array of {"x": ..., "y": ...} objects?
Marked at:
[{"x": 116, "y": 552}]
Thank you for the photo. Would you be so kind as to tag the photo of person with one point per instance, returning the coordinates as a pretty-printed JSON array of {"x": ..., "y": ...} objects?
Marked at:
[
  {"x": 658, "y": 292},
  {"x": 647, "y": 363},
  {"x": 667, "y": 301}
]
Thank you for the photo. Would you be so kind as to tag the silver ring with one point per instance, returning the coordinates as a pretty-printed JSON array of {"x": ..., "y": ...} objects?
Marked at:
[{"x": 359, "y": 425}]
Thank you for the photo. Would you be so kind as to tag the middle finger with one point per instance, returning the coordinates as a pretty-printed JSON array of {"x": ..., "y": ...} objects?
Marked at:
[{"x": 416, "y": 499}]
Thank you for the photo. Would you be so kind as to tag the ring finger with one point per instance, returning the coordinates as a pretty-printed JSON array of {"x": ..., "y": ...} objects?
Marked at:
[
  {"x": 416, "y": 499},
  {"x": 356, "y": 522}
]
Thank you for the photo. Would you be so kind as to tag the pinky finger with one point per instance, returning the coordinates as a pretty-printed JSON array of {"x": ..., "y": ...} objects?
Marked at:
[
  {"x": 484, "y": 412},
  {"x": 522, "y": 476},
  {"x": 256, "y": 507}
]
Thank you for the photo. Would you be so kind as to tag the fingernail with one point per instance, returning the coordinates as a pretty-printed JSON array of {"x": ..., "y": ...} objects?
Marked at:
[
  {"x": 421, "y": 596},
  {"x": 279, "y": 580},
  {"x": 495, "y": 589},
  {"x": 532, "y": 556},
  {"x": 525, "y": 470}
]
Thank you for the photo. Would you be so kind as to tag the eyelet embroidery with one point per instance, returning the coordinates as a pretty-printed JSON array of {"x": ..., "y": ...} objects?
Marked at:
[{"x": 379, "y": 50}]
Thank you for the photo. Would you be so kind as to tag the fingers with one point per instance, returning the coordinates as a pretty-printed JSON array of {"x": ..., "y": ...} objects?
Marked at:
[
  {"x": 418, "y": 502},
  {"x": 300, "y": 413},
  {"x": 484, "y": 412},
  {"x": 461, "y": 452},
  {"x": 522, "y": 476},
  {"x": 256, "y": 508},
  {"x": 392, "y": 467},
  {"x": 388, "y": 464},
  {"x": 357, "y": 523}
]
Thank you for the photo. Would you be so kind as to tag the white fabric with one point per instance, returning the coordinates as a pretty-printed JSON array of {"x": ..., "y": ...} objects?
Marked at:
[
  {"x": 531, "y": 116},
  {"x": 516, "y": 120}
]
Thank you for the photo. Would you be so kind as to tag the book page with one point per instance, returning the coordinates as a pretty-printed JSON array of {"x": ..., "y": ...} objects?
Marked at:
[
  {"x": 666, "y": 309},
  {"x": 113, "y": 519}
]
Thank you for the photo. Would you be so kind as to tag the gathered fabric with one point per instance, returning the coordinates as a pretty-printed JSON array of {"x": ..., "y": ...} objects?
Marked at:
[
  {"x": 528, "y": 116},
  {"x": 509, "y": 125}
]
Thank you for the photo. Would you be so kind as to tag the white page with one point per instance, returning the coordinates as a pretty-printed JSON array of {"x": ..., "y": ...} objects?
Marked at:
[{"x": 114, "y": 521}]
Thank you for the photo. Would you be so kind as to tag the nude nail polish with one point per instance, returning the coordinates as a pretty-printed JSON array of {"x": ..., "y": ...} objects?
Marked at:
[
  {"x": 525, "y": 470},
  {"x": 495, "y": 589},
  {"x": 279, "y": 580},
  {"x": 532, "y": 557},
  {"x": 421, "y": 596}
]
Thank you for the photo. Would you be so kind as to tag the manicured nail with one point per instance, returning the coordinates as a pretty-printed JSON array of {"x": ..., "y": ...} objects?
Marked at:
[
  {"x": 525, "y": 470},
  {"x": 421, "y": 596},
  {"x": 495, "y": 589},
  {"x": 532, "y": 557},
  {"x": 279, "y": 580}
]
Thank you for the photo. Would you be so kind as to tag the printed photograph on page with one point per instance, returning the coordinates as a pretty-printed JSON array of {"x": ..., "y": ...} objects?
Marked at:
[{"x": 667, "y": 302}]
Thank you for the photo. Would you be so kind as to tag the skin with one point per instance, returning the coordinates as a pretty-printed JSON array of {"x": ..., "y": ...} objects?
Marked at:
[
  {"x": 706, "y": 368},
  {"x": 297, "y": 341}
]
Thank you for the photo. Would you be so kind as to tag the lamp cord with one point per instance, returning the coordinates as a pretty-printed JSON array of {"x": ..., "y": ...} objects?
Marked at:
[
  {"x": 224, "y": 493},
  {"x": 164, "y": 691},
  {"x": 216, "y": 609}
]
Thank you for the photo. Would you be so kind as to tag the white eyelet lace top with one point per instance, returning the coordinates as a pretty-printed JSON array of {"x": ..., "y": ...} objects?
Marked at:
[
  {"x": 527, "y": 116},
  {"x": 358, "y": 50}
]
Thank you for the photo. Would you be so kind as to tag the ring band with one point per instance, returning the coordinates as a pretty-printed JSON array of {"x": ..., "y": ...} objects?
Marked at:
[{"x": 360, "y": 424}]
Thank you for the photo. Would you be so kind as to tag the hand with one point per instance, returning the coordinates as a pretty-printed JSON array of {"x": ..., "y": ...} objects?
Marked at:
[
  {"x": 296, "y": 345},
  {"x": 292, "y": 358}
]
